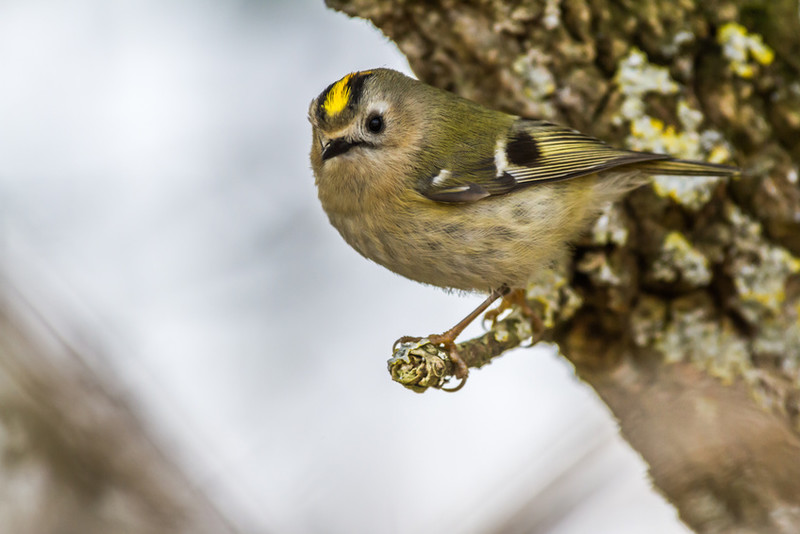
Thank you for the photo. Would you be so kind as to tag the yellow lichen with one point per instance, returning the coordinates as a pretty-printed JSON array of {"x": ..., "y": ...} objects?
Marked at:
[
  {"x": 502, "y": 335},
  {"x": 609, "y": 227},
  {"x": 739, "y": 47},
  {"x": 691, "y": 192},
  {"x": 650, "y": 134},
  {"x": 636, "y": 77},
  {"x": 555, "y": 296},
  {"x": 680, "y": 259},
  {"x": 764, "y": 284},
  {"x": 533, "y": 68},
  {"x": 759, "y": 270},
  {"x": 719, "y": 154},
  {"x": 695, "y": 334}
]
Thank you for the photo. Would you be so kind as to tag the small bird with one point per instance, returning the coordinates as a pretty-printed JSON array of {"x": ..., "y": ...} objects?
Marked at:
[{"x": 447, "y": 192}]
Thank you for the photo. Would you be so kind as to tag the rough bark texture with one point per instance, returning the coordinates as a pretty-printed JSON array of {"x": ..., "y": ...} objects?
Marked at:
[{"x": 686, "y": 322}]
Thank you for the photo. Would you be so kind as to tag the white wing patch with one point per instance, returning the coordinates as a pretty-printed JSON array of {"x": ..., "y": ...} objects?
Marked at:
[
  {"x": 441, "y": 178},
  {"x": 500, "y": 157}
]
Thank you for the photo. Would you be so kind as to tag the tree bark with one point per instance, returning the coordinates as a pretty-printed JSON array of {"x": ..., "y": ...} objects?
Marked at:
[{"x": 680, "y": 306}]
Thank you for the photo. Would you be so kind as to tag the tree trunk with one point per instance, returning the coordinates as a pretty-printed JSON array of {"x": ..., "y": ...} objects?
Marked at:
[{"x": 680, "y": 306}]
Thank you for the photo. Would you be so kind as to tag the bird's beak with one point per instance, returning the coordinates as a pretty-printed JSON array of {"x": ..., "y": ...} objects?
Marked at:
[{"x": 335, "y": 147}]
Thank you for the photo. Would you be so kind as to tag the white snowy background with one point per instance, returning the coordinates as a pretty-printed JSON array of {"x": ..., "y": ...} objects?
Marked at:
[{"x": 155, "y": 196}]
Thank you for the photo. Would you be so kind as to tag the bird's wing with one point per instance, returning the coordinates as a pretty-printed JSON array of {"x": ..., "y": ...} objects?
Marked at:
[{"x": 532, "y": 152}]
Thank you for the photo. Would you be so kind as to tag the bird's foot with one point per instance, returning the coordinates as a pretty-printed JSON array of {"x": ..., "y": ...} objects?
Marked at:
[
  {"x": 448, "y": 338},
  {"x": 516, "y": 298}
]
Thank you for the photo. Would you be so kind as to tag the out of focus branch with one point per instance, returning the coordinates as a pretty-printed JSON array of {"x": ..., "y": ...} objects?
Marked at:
[{"x": 74, "y": 457}]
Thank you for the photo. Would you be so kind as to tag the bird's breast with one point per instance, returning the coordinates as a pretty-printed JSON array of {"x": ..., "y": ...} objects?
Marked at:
[{"x": 474, "y": 247}]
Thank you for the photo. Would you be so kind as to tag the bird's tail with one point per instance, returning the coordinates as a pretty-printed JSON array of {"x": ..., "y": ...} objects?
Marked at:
[{"x": 680, "y": 167}]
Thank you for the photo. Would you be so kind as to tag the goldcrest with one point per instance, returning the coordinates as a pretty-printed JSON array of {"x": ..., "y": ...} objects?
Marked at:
[{"x": 447, "y": 192}]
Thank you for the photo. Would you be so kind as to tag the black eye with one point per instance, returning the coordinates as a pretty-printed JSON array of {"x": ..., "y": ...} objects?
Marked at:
[{"x": 375, "y": 124}]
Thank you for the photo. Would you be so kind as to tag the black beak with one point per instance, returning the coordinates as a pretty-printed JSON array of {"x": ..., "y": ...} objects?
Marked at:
[{"x": 336, "y": 147}]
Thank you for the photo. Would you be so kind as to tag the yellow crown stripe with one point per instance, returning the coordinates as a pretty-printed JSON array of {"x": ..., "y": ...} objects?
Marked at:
[{"x": 339, "y": 95}]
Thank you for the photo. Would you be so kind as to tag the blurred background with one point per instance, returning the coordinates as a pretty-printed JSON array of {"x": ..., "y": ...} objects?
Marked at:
[{"x": 183, "y": 333}]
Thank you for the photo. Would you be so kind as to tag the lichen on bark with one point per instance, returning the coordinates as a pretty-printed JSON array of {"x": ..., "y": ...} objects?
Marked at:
[{"x": 686, "y": 296}]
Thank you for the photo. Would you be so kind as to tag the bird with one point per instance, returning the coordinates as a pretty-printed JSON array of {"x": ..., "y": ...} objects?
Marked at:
[{"x": 450, "y": 193}]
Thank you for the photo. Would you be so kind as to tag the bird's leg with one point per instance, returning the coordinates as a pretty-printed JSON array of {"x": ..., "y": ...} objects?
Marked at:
[
  {"x": 506, "y": 303},
  {"x": 448, "y": 337}
]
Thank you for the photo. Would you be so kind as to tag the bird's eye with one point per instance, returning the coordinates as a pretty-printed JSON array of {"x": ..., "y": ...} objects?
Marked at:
[{"x": 375, "y": 123}]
